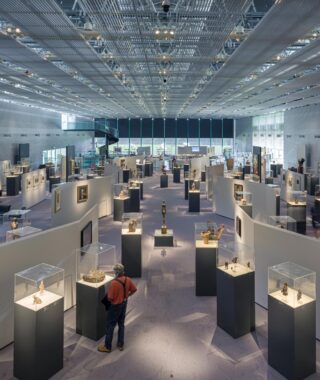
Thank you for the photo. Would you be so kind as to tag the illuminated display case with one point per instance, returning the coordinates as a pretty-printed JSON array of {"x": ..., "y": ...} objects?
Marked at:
[
  {"x": 120, "y": 190},
  {"x": 243, "y": 198},
  {"x": 297, "y": 198},
  {"x": 317, "y": 195},
  {"x": 39, "y": 286},
  {"x": 235, "y": 258},
  {"x": 194, "y": 185},
  {"x": 132, "y": 223},
  {"x": 95, "y": 264}
]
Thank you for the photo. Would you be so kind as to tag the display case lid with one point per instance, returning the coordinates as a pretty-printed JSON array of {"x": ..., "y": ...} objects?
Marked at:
[
  {"x": 96, "y": 248},
  {"x": 40, "y": 272},
  {"x": 291, "y": 270},
  {"x": 282, "y": 219}
]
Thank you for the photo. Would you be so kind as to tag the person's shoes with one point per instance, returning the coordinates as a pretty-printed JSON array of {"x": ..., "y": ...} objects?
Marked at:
[
  {"x": 103, "y": 348},
  {"x": 121, "y": 347}
]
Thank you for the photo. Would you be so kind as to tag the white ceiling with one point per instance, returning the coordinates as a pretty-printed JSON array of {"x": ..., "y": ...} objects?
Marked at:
[{"x": 117, "y": 58}]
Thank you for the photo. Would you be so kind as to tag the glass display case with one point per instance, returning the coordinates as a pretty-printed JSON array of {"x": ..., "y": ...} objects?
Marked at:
[
  {"x": 95, "y": 264},
  {"x": 120, "y": 191},
  {"x": 134, "y": 183},
  {"x": 297, "y": 198},
  {"x": 317, "y": 194},
  {"x": 292, "y": 284},
  {"x": 208, "y": 234},
  {"x": 194, "y": 185},
  {"x": 132, "y": 223},
  {"x": 283, "y": 222},
  {"x": 38, "y": 286},
  {"x": 243, "y": 198},
  {"x": 235, "y": 258}
]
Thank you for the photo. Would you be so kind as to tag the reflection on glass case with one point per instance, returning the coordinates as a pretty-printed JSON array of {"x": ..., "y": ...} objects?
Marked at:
[
  {"x": 297, "y": 198},
  {"x": 283, "y": 222},
  {"x": 95, "y": 264},
  {"x": 194, "y": 185},
  {"x": 133, "y": 183},
  {"x": 208, "y": 234},
  {"x": 292, "y": 284},
  {"x": 132, "y": 223},
  {"x": 235, "y": 258},
  {"x": 243, "y": 198},
  {"x": 120, "y": 190},
  {"x": 317, "y": 193},
  {"x": 39, "y": 286}
]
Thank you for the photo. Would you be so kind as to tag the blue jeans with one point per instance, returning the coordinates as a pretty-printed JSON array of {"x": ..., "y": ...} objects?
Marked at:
[{"x": 115, "y": 315}]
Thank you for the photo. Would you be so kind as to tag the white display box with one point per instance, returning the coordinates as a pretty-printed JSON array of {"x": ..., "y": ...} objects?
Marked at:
[
  {"x": 39, "y": 286},
  {"x": 92, "y": 258},
  {"x": 292, "y": 284}
]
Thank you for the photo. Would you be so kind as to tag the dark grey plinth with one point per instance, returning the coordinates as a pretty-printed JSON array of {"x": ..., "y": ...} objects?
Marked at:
[
  {"x": 206, "y": 259},
  {"x": 140, "y": 168},
  {"x": 298, "y": 213},
  {"x": 141, "y": 191},
  {"x": 312, "y": 181},
  {"x": 13, "y": 183},
  {"x": 247, "y": 209},
  {"x": 186, "y": 168},
  {"x": 90, "y": 312},
  {"x": 247, "y": 169},
  {"x": 176, "y": 175},
  {"x": 186, "y": 188},
  {"x": 278, "y": 205},
  {"x": 163, "y": 180},
  {"x": 131, "y": 254},
  {"x": 268, "y": 181},
  {"x": 235, "y": 303},
  {"x": 148, "y": 169},
  {"x": 134, "y": 199},
  {"x": 38, "y": 341},
  {"x": 203, "y": 176},
  {"x": 292, "y": 339},
  {"x": 125, "y": 175},
  {"x": 194, "y": 201},
  {"x": 163, "y": 240},
  {"x": 53, "y": 181},
  {"x": 119, "y": 207},
  {"x": 273, "y": 168},
  {"x": 278, "y": 168}
]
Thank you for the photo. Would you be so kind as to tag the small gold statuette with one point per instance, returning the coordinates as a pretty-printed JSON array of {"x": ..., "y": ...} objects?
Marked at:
[
  {"x": 163, "y": 212},
  {"x": 193, "y": 186},
  {"x": 205, "y": 236},
  {"x": 132, "y": 225},
  {"x": 122, "y": 163},
  {"x": 36, "y": 300},
  {"x": 14, "y": 224},
  {"x": 41, "y": 287},
  {"x": 296, "y": 201},
  {"x": 299, "y": 295},
  {"x": 122, "y": 195},
  {"x": 248, "y": 264},
  {"x": 243, "y": 202},
  {"x": 235, "y": 260},
  {"x": 94, "y": 276},
  {"x": 284, "y": 289}
]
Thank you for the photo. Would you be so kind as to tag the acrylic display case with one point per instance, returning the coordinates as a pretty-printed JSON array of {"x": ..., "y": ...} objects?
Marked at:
[
  {"x": 283, "y": 222},
  {"x": 292, "y": 320},
  {"x": 120, "y": 190},
  {"x": 292, "y": 284},
  {"x": 134, "y": 183},
  {"x": 194, "y": 185},
  {"x": 207, "y": 234},
  {"x": 235, "y": 258},
  {"x": 95, "y": 264},
  {"x": 243, "y": 198},
  {"x": 37, "y": 287},
  {"x": 297, "y": 198},
  {"x": 132, "y": 223}
]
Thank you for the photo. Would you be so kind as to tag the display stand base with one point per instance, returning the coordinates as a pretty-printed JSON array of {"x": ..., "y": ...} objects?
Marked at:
[
  {"x": 292, "y": 339},
  {"x": 141, "y": 191},
  {"x": 161, "y": 240},
  {"x": 119, "y": 207},
  {"x": 186, "y": 188},
  {"x": 134, "y": 199},
  {"x": 125, "y": 175},
  {"x": 90, "y": 312},
  {"x": 38, "y": 341},
  {"x": 203, "y": 176},
  {"x": 206, "y": 259},
  {"x": 235, "y": 303},
  {"x": 163, "y": 181},
  {"x": 148, "y": 169},
  {"x": 176, "y": 175},
  {"x": 131, "y": 254},
  {"x": 13, "y": 185},
  {"x": 186, "y": 168},
  {"x": 194, "y": 201},
  {"x": 299, "y": 214}
]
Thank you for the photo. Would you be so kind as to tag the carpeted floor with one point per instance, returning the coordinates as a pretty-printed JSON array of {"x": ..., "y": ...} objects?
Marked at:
[{"x": 171, "y": 333}]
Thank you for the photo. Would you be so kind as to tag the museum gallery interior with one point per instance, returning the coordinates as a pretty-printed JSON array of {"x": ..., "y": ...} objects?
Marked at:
[{"x": 180, "y": 138}]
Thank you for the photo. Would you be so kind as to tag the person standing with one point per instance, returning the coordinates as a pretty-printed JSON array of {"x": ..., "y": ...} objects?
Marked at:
[{"x": 120, "y": 289}]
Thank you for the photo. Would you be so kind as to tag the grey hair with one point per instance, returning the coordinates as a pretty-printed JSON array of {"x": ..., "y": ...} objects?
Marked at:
[{"x": 118, "y": 269}]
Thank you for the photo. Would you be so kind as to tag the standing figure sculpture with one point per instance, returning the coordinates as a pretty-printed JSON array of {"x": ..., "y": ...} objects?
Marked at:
[{"x": 163, "y": 212}]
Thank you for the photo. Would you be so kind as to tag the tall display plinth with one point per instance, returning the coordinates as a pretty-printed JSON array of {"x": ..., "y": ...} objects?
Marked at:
[
  {"x": 186, "y": 188},
  {"x": 134, "y": 193},
  {"x": 38, "y": 340},
  {"x": 203, "y": 176},
  {"x": 235, "y": 300},
  {"x": 120, "y": 205},
  {"x": 278, "y": 204},
  {"x": 140, "y": 168},
  {"x": 131, "y": 256},
  {"x": 13, "y": 184},
  {"x": 125, "y": 175},
  {"x": 90, "y": 312},
  {"x": 163, "y": 181},
  {"x": 141, "y": 190},
  {"x": 148, "y": 169},
  {"x": 194, "y": 201},
  {"x": 53, "y": 181},
  {"x": 291, "y": 338},
  {"x": 247, "y": 169},
  {"x": 163, "y": 240},
  {"x": 312, "y": 181},
  {"x": 206, "y": 259},
  {"x": 186, "y": 168},
  {"x": 268, "y": 181},
  {"x": 247, "y": 209},
  {"x": 299, "y": 213},
  {"x": 176, "y": 175}
]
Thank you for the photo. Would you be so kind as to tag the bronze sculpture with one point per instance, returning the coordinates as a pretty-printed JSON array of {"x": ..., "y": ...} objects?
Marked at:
[
  {"x": 284, "y": 289},
  {"x": 226, "y": 265},
  {"x": 299, "y": 295},
  {"x": 94, "y": 276},
  {"x": 132, "y": 225},
  {"x": 163, "y": 212}
]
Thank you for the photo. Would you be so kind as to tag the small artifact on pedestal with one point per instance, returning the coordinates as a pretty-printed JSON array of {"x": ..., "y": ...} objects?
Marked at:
[
  {"x": 217, "y": 235},
  {"x": 205, "y": 236},
  {"x": 248, "y": 264},
  {"x": 14, "y": 224},
  {"x": 193, "y": 186},
  {"x": 36, "y": 300},
  {"x": 296, "y": 201},
  {"x": 132, "y": 225},
  {"x": 163, "y": 212},
  {"x": 94, "y": 276},
  {"x": 194, "y": 173},
  {"x": 284, "y": 290},
  {"x": 243, "y": 202},
  {"x": 226, "y": 265},
  {"x": 235, "y": 260},
  {"x": 122, "y": 163},
  {"x": 41, "y": 287},
  {"x": 122, "y": 194},
  {"x": 299, "y": 295}
]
